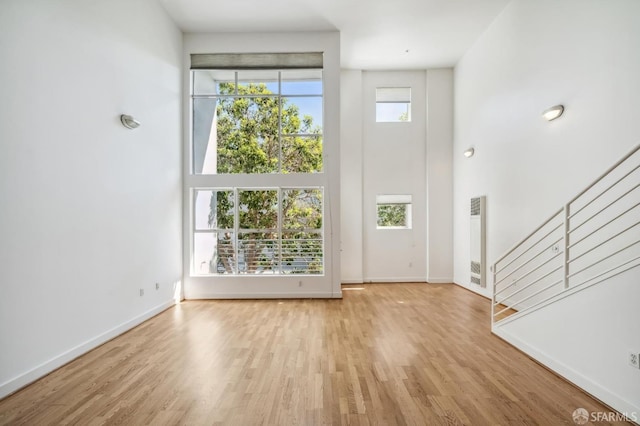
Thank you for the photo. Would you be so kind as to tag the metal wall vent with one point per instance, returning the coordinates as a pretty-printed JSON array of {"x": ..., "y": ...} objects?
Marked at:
[
  {"x": 477, "y": 241},
  {"x": 475, "y": 206}
]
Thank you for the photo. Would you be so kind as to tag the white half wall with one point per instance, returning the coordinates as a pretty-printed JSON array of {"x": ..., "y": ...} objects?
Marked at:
[
  {"x": 91, "y": 211},
  {"x": 584, "y": 54},
  {"x": 590, "y": 352}
]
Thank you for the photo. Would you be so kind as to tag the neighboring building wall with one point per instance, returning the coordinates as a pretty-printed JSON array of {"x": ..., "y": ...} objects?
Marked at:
[
  {"x": 91, "y": 211},
  {"x": 585, "y": 55}
]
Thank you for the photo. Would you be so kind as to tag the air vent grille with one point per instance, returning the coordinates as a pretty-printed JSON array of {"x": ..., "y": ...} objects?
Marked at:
[
  {"x": 475, "y": 268},
  {"x": 475, "y": 206},
  {"x": 475, "y": 280}
]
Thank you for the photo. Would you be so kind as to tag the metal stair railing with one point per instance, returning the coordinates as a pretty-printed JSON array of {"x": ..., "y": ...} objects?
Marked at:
[{"x": 592, "y": 238}]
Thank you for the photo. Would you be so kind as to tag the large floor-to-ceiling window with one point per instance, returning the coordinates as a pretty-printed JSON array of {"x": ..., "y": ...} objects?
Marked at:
[
  {"x": 257, "y": 182},
  {"x": 262, "y": 165}
]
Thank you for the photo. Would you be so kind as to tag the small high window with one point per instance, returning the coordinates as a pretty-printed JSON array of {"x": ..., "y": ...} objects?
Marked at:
[
  {"x": 393, "y": 211},
  {"x": 393, "y": 104}
]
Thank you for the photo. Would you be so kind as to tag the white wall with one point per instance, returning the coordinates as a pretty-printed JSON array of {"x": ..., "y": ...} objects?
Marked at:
[
  {"x": 572, "y": 338},
  {"x": 393, "y": 162},
  {"x": 427, "y": 171},
  {"x": 90, "y": 211},
  {"x": 196, "y": 287},
  {"x": 351, "y": 176},
  {"x": 439, "y": 169},
  {"x": 585, "y": 55}
]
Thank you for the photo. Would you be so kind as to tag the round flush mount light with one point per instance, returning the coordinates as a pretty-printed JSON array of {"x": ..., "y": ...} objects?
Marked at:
[
  {"x": 553, "y": 112},
  {"x": 469, "y": 152},
  {"x": 129, "y": 122}
]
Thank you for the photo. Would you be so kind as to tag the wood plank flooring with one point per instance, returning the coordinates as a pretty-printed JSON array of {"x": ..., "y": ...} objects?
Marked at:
[{"x": 390, "y": 354}]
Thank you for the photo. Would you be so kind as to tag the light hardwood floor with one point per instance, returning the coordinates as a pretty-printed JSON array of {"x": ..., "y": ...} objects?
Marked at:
[{"x": 391, "y": 354}]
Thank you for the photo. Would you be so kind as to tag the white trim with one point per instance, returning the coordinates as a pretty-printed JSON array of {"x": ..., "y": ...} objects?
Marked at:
[
  {"x": 440, "y": 280},
  {"x": 486, "y": 292},
  {"x": 395, "y": 280},
  {"x": 24, "y": 379},
  {"x": 355, "y": 281},
  {"x": 616, "y": 402},
  {"x": 288, "y": 295}
]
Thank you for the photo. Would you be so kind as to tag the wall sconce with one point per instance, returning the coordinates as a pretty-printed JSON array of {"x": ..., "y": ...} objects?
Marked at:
[
  {"x": 469, "y": 152},
  {"x": 129, "y": 122},
  {"x": 553, "y": 112}
]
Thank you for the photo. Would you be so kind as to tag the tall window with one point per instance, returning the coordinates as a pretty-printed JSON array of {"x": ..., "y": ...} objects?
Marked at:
[{"x": 257, "y": 145}]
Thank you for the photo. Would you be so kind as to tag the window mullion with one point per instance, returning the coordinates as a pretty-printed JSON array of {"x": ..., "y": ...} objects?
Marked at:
[
  {"x": 236, "y": 226},
  {"x": 235, "y": 88},
  {"x": 280, "y": 122},
  {"x": 280, "y": 230}
]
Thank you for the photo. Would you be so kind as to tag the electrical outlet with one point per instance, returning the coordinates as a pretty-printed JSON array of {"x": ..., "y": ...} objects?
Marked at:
[
  {"x": 157, "y": 286},
  {"x": 141, "y": 292},
  {"x": 634, "y": 359}
]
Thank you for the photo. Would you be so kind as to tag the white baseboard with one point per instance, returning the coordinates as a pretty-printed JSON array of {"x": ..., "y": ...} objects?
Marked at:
[
  {"x": 605, "y": 395},
  {"x": 12, "y": 385},
  {"x": 396, "y": 280},
  {"x": 296, "y": 295},
  {"x": 359, "y": 281},
  {"x": 440, "y": 280}
]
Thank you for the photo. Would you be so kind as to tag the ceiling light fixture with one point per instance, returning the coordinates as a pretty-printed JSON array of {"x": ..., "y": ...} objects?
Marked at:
[
  {"x": 469, "y": 152},
  {"x": 553, "y": 112},
  {"x": 129, "y": 122}
]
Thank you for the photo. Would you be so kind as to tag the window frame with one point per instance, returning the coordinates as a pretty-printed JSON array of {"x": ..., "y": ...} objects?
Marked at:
[
  {"x": 255, "y": 181},
  {"x": 279, "y": 96},
  {"x": 405, "y": 200},
  {"x": 237, "y": 230},
  {"x": 393, "y": 97}
]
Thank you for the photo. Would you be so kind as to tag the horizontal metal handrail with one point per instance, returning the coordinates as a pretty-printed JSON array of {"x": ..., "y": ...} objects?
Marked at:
[
  {"x": 570, "y": 224},
  {"x": 603, "y": 242},
  {"x": 527, "y": 237},
  {"x": 530, "y": 296},
  {"x": 602, "y": 226},
  {"x": 604, "y": 208},
  {"x": 553, "y": 243},
  {"x": 603, "y": 175},
  {"x": 535, "y": 282},
  {"x": 603, "y": 192},
  {"x": 531, "y": 272},
  {"x": 608, "y": 270},
  {"x": 538, "y": 241},
  {"x": 603, "y": 259}
]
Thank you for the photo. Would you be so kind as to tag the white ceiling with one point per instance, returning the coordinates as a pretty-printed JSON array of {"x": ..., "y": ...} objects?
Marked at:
[{"x": 375, "y": 34}]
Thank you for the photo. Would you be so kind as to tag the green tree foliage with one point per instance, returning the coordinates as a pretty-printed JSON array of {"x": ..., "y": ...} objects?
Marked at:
[
  {"x": 392, "y": 215},
  {"x": 257, "y": 135}
]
